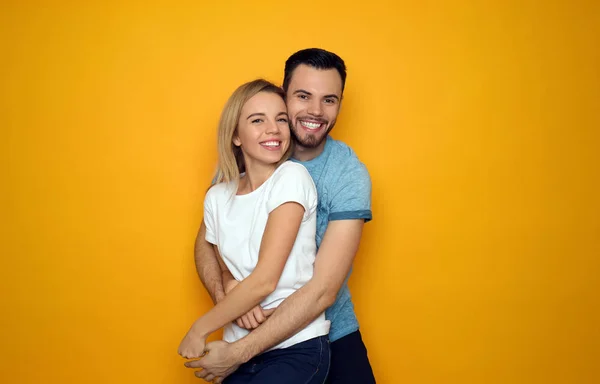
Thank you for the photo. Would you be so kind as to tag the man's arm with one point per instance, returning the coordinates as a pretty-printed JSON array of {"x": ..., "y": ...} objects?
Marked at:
[
  {"x": 332, "y": 265},
  {"x": 207, "y": 266},
  {"x": 277, "y": 243}
]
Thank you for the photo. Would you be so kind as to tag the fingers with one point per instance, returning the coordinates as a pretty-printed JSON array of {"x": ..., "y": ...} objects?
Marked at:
[
  {"x": 246, "y": 322},
  {"x": 258, "y": 315},
  {"x": 190, "y": 355},
  {"x": 255, "y": 317},
  {"x": 193, "y": 364},
  {"x": 239, "y": 323},
  {"x": 205, "y": 375},
  {"x": 253, "y": 323}
]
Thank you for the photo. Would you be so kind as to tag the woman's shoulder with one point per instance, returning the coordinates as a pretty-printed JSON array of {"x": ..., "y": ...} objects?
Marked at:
[
  {"x": 219, "y": 191},
  {"x": 292, "y": 175},
  {"x": 292, "y": 169}
]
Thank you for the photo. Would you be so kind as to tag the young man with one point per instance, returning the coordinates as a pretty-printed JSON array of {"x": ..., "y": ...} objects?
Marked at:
[{"x": 314, "y": 81}]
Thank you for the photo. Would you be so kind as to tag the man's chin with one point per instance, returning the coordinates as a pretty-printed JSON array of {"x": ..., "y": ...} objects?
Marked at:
[
  {"x": 307, "y": 139},
  {"x": 310, "y": 141}
]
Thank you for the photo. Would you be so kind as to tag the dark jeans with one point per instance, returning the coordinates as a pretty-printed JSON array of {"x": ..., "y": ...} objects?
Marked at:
[
  {"x": 349, "y": 361},
  {"x": 302, "y": 363}
]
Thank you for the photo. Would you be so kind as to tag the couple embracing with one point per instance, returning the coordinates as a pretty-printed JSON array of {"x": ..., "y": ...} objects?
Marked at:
[{"x": 282, "y": 225}]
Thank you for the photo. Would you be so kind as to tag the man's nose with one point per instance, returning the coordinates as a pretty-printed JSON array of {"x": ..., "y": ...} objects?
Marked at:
[{"x": 315, "y": 108}]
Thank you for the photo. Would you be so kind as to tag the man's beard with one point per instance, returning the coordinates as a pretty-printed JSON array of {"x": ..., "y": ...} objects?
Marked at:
[{"x": 310, "y": 141}]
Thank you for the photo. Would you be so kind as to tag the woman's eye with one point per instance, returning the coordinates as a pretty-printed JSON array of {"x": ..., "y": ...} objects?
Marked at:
[
  {"x": 283, "y": 120},
  {"x": 256, "y": 121}
]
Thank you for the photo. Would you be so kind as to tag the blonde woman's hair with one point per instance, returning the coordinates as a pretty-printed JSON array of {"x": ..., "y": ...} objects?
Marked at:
[{"x": 231, "y": 159}]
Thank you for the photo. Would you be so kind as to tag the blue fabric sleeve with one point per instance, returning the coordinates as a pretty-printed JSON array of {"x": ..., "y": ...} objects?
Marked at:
[{"x": 352, "y": 199}]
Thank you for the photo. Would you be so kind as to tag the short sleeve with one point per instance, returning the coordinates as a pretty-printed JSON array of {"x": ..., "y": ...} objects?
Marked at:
[
  {"x": 352, "y": 195},
  {"x": 292, "y": 183},
  {"x": 209, "y": 218}
]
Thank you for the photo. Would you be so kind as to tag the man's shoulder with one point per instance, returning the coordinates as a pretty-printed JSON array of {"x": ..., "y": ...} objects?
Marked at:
[
  {"x": 341, "y": 149},
  {"x": 344, "y": 161},
  {"x": 348, "y": 184}
]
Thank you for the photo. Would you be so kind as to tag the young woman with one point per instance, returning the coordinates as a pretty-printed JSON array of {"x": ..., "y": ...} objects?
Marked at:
[{"x": 261, "y": 217}]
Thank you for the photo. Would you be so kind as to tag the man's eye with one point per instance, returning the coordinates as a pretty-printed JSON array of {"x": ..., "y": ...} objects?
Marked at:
[
  {"x": 303, "y": 97},
  {"x": 329, "y": 101}
]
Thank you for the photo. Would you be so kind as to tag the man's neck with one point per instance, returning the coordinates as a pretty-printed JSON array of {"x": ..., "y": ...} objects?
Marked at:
[{"x": 305, "y": 154}]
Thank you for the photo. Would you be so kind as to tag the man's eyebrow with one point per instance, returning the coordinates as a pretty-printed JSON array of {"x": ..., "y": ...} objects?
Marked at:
[
  {"x": 282, "y": 113},
  {"x": 332, "y": 96},
  {"x": 255, "y": 114}
]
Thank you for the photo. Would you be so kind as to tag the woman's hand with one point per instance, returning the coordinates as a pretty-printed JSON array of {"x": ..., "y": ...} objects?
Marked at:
[
  {"x": 255, "y": 317},
  {"x": 192, "y": 345}
]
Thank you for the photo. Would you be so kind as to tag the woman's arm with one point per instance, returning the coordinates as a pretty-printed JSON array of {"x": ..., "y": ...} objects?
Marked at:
[
  {"x": 276, "y": 245},
  {"x": 257, "y": 315}
]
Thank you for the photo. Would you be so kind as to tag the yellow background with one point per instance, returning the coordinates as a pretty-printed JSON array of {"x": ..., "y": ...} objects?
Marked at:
[{"x": 477, "y": 120}]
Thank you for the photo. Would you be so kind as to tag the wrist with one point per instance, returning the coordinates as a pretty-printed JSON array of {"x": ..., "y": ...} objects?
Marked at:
[
  {"x": 198, "y": 331},
  {"x": 243, "y": 350}
]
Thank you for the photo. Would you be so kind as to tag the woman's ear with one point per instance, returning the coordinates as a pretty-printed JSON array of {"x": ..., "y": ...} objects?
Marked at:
[{"x": 236, "y": 141}]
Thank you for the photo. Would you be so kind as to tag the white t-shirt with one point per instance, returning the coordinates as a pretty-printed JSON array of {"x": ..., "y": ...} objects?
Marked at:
[{"x": 236, "y": 223}]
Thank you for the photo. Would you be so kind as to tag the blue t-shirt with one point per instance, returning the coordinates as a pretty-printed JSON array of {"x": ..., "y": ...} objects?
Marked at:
[{"x": 344, "y": 193}]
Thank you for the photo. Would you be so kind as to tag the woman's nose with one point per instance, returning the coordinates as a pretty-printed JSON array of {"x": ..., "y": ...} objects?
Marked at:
[{"x": 272, "y": 127}]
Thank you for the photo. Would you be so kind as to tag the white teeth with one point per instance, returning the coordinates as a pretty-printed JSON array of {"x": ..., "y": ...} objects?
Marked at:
[
  {"x": 271, "y": 143},
  {"x": 311, "y": 125}
]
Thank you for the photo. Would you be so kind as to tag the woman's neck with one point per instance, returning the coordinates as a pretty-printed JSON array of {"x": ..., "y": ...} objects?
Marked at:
[{"x": 256, "y": 175}]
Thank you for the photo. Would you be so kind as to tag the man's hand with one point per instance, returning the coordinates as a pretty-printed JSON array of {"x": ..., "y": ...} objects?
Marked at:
[
  {"x": 193, "y": 345},
  {"x": 220, "y": 361}
]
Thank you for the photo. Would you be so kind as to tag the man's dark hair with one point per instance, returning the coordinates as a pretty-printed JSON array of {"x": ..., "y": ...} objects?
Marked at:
[{"x": 317, "y": 58}]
